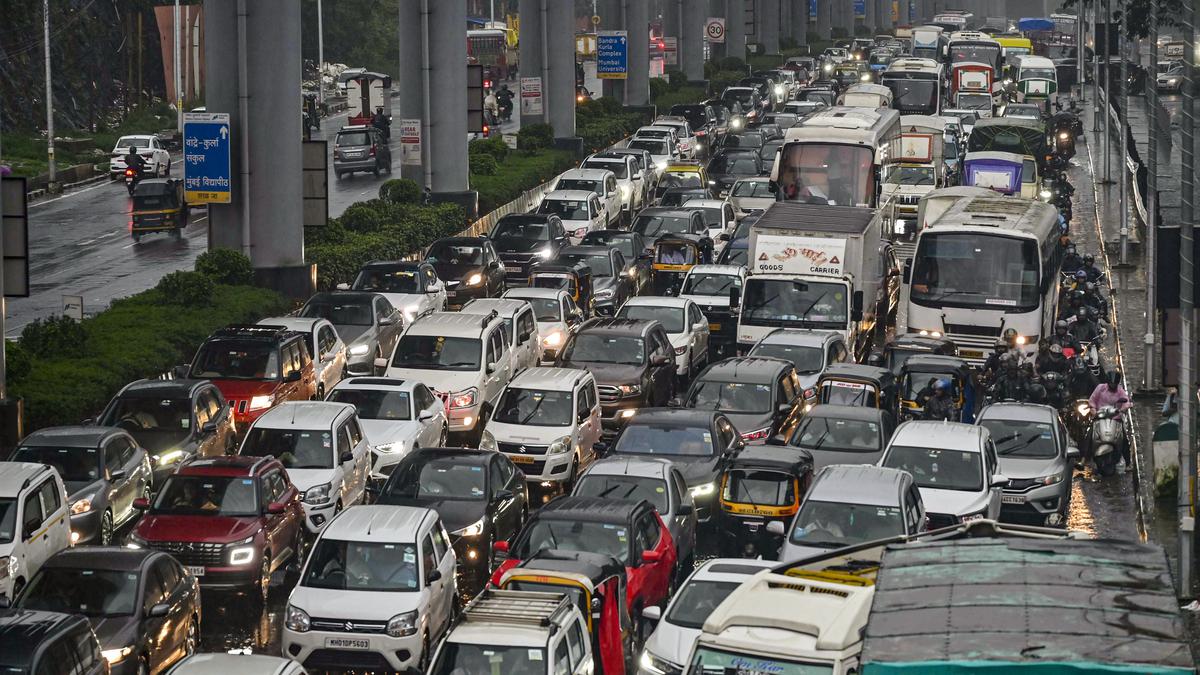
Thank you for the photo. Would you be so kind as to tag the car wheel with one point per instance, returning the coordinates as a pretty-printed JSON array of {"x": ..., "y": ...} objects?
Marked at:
[
  {"x": 445, "y": 437},
  {"x": 143, "y": 666},
  {"x": 264, "y": 577},
  {"x": 106, "y": 528},
  {"x": 423, "y": 662},
  {"x": 167, "y": 171},
  {"x": 193, "y": 638}
]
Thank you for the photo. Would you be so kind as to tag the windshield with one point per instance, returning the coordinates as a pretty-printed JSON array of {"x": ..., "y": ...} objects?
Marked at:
[
  {"x": 665, "y": 441},
  {"x": 940, "y": 469},
  {"x": 710, "y": 284},
  {"x": 784, "y": 302},
  {"x": 455, "y": 254},
  {"x": 340, "y": 312},
  {"x": 731, "y": 397},
  {"x": 807, "y": 360},
  {"x": 375, "y": 404},
  {"x": 436, "y": 478},
  {"x": 567, "y": 209},
  {"x": 741, "y": 97},
  {"x": 734, "y": 256},
  {"x": 759, "y": 487},
  {"x": 133, "y": 142},
  {"x": 236, "y": 360},
  {"x": 352, "y": 138},
  {"x": 544, "y": 309},
  {"x": 753, "y": 188},
  {"x": 75, "y": 465},
  {"x": 841, "y": 435},
  {"x": 434, "y": 352},
  {"x": 580, "y": 184},
  {"x": 974, "y": 102},
  {"x": 968, "y": 52},
  {"x": 574, "y": 535},
  {"x": 648, "y": 144},
  {"x": 913, "y": 96},
  {"x": 837, "y": 524},
  {"x": 950, "y": 148},
  {"x": 457, "y": 658},
  {"x": 1038, "y": 74},
  {"x": 362, "y": 566},
  {"x": 387, "y": 281},
  {"x": 515, "y": 229},
  {"x": 693, "y": 113},
  {"x": 839, "y": 174},
  {"x": 670, "y": 317},
  {"x": 207, "y": 496},
  {"x": 909, "y": 175},
  {"x": 599, "y": 264},
  {"x": 1020, "y": 438},
  {"x": 697, "y": 600},
  {"x": 171, "y": 416},
  {"x": 621, "y": 242},
  {"x": 617, "y": 166},
  {"x": 656, "y": 226},
  {"x": 735, "y": 163},
  {"x": 632, "y": 488},
  {"x": 750, "y": 139},
  {"x": 595, "y": 348},
  {"x": 837, "y": 392},
  {"x": 295, "y": 448},
  {"x": 90, "y": 592},
  {"x": 976, "y": 271},
  {"x": 535, "y": 407},
  {"x": 709, "y": 661}
]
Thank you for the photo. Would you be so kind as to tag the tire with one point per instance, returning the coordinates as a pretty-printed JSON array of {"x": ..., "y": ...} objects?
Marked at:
[
  {"x": 339, "y": 174},
  {"x": 192, "y": 640},
  {"x": 423, "y": 662},
  {"x": 264, "y": 578},
  {"x": 137, "y": 238},
  {"x": 105, "y": 537},
  {"x": 1106, "y": 464}
]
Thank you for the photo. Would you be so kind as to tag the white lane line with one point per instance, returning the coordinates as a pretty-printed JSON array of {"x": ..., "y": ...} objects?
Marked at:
[{"x": 72, "y": 194}]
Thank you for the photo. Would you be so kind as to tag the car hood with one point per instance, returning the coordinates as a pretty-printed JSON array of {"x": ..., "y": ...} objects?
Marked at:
[
  {"x": 673, "y": 643},
  {"x": 1030, "y": 467},
  {"x": 440, "y": 381},
  {"x": 706, "y": 301},
  {"x": 402, "y": 300},
  {"x": 953, "y": 502},
  {"x": 824, "y": 458},
  {"x": 808, "y": 380},
  {"x": 209, "y": 529},
  {"x": 603, "y": 283},
  {"x": 352, "y": 334},
  {"x": 389, "y": 431},
  {"x": 747, "y": 422},
  {"x": 355, "y": 605},
  {"x": 304, "y": 479},
  {"x": 82, "y": 488},
  {"x": 789, "y": 551},
  {"x": 517, "y": 244},
  {"x": 455, "y": 513},
  {"x": 752, "y": 202},
  {"x": 610, "y": 373},
  {"x": 115, "y": 632},
  {"x": 455, "y": 273},
  {"x": 695, "y": 470}
]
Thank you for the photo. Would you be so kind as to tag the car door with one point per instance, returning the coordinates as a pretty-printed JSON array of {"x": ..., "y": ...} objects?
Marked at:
[
  {"x": 649, "y": 535},
  {"x": 284, "y": 527},
  {"x": 390, "y": 323},
  {"x": 992, "y": 467},
  {"x": 495, "y": 271},
  {"x": 437, "y": 611},
  {"x": 527, "y": 339},
  {"x": 587, "y": 410},
  {"x": 699, "y": 327},
  {"x": 514, "y": 482},
  {"x": 346, "y": 463},
  {"x": 362, "y": 456},
  {"x": 435, "y": 291},
  {"x": 157, "y": 629},
  {"x": 426, "y": 404},
  {"x": 332, "y": 352},
  {"x": 119, "y": 499},
  {"x": 685, "y": 525},
  {"x": 664, "y": 375},
  {"x": 502, "y": 502},
  {"x": 176, "y": 596},
  {"x": 612, "y": 195},
  {"x": 220, "y": 413},
  {"x": 501, "y": 365}
]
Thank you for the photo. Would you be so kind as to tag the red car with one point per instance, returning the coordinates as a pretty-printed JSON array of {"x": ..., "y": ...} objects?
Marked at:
[
  {"x": 256, "y": 368},
  {"x": 631, "y": 532},
  {"x": 232, "y": 521}
]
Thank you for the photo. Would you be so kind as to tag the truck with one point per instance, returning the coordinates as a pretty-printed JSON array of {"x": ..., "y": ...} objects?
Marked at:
[
  {"x": 917, "y": 170},
  {"x": 818, "y": 266}
]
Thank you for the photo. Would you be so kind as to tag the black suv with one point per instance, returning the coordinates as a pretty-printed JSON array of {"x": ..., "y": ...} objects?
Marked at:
[
  {"x": 633, "y": 363},
  {"x": 761, "y": 395},
  {"x": 654, "y": 222},
  {"x": 523, "y": 239},
  {"x": 470, "y": 268},
  {"x": 49, "y": 642},
  {"x": 611, "y": 283},
  {"x": 730, "y": 164}
]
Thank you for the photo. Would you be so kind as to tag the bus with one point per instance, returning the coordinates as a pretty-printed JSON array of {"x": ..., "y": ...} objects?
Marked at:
[
  {"x": 836, "y": 155},
  {"x": 489, "y": 47},
  {"x": 916, "y": 85},
  {"x": 975, "y": 63},
  {"x": 953, "y": 20},
  {"x": 928, "y": 42},
  {"x": 986, "y": 265}
]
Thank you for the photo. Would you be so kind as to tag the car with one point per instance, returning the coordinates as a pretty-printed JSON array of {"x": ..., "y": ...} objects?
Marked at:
[
  {"x": 480, "y": 495},
  {"x": 34, "y": 524},
  {"x": 463, "y": 358},
  {"x": 360, "y": 148},
  {"x": 751, "y": 194},
  {"x": 547, "y": 422},
  {"x": 686, "y": 327},
  {"x": 611, "y": 283},
  {"x": 633, "y": 363},
  {"x": 412, "y": 287},
  {"x": 397, "y": 416},
  {"x": 581, "y": 212},
  {"x": 685, "y": 173},
  {"x": 632, "y": 247},
  {"x": 367, "y": 322},
  {"x": 103, "y": 469},
  {"x": 748, "y": 99},
  {"x": 717, "y": 290},
  {"x": 525, "y": 239},
  {"x": 663, "y": 132},
  {"x": 852, "y": 504},
  {"x": 670, "y": 194},
  {"x": 750, "y": 138},
  {"x": 810, "y": 351},
  {"x": 324, "y": 450},
  {"x": 230, "y": 521},
  {"x": 647, "y": 172},
  {"x": 655, "y": 480},
  {"x": 632, "y": 532},
  {"x": 842, "y": 434},
  {"x": 148, "y": 146},
  {"x": 783, "y": 120},
  {"x": 702, "y": 120},
  {"x": 823, "y": 91},
  {"x": 768, "y": 151},
  {"x": 803, "y": 108},
  {"x": 469, "y": 267},
  {"x": 1037, "y": 456},
  {"x": 627, "y": 172},
  {"x": 143, "y": 605},
  {"x": 520, "y": 324},
  {"x": 683, "y": 133},
  {"x": 765, "y": 87},
  {"x": 173, "y": 421},
  {"x": 1025, "y": 111},
  {"x": 236, "y": 664},
  {"x": 377, "y": 592},
  {"x": 677, "y": 627},
  {"x": 1170, "y": 76},
  {"x": 718, "y": 215},
  {"x": 324, "y": 342},
  {"x": 760, "y": 395},
  {"x": 654, "y": 222},
  {"x": 955, "y": 467},
  {"x": 726, "y": 115},
  {"x": 601, "y": 181},
  {"x": 44, "y": 642},
  {"x": 661, "y": 150},
  {"x": 255, "y": 368},
  {"x": 558, "y": 317}
]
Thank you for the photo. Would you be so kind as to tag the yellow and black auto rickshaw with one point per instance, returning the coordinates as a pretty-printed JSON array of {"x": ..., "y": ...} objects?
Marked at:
[
  {"x": 158, "y": 206},
  {"x": 575, "y": 279},
  {"x": 918, "y": 375},
  {"x": 856, "y": 384},
  {"x": 674, "y": 256},
  {"x": 761, "y": 484}
]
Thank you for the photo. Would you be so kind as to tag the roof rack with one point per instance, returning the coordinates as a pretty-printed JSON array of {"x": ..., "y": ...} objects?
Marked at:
[
  {"x": 533, "y": 608},
  {"x": 250, "y": 330},
  {"x": 37, "y": 472},
  {"x": 488, "y": 318}
]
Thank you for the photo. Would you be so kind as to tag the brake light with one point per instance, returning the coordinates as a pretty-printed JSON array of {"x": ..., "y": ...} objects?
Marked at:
[
  {"x": 129, "y": 172},
  {"x": 371, "y": 153},
  {"x": 487, "y": 131},
  {"x": 758, "y": 435}
]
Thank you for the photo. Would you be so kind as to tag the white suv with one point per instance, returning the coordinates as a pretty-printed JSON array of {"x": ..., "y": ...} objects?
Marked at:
[
  {"x": 581, "y": 212},
  {"x": 380, "y": 579},
  {"x": 462, "y": 357},
  {"x": 398, "y": 416},
  {"x": 685, "y": 323},
  {"x": 520, "y": 326},
  {"x": 625, "y": 168},
  {"x": 34, "y": 500},
  {"x": 546, "y": 422},
  {"x": 324, "y": 450},
  {"x": 601, "y": 181},
  {"x": 683, "y": 131}
]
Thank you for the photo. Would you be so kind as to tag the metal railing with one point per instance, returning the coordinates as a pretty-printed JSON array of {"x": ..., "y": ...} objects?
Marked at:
[{"x": 523, "y": 204}]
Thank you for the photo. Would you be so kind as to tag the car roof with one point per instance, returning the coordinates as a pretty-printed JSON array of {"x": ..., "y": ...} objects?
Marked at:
[
  {"x": 1011, "y": 410},
  {"x": 22, "y": 632},
  {"x": 637, "y": 327},
  {"x": 730, "y": 569},
  {"x": 334, "y": 296},
  {"x": 844, "y": 412},
  {"x": 71, "y": 436},
  {"x": 450, "y": 323},
  {"x": 553, "y": 379},
  {"x": 681, "y": 417},
  {"x": 375, "y": 521},
  {"x": 460, "y": 241},
  {"x": 300, "y": 324},
  {"x": 588, "y": 173},
  {"x": 377, "y": 383},
  {"x": 233, "y": 664},
  {"x": 592, "y": 509},
  {"x": 534, "y": 292},
  {"x": 724, "y": 270},
  {"x": 624, "y": 465},
  {"x": 14, "y": 476},
  {"x": 393, "y": 264},
  {"x": 706, "y": 203},
  {"x": 934, "y": 363},
  {"x": 568, "y": 195},
  {"x": 799, "y": 336},
  {"x": 303, "y": 415},
  {"x": 230, "y": 466},
  {"x": 464, "y": 455},
  {"x": 656, "y": 301},
  {"x": 151, "y": 388},
  {"x": 668, "y": 211},
  {"x": 582, "y": 249},
  {"x": 119, "y": 558},
  {"x": 753, "y": 369},
  {"x": 947, "y": 435},
  {"x": 503, "y": 306},
  {"x": 859, "y": 484}
]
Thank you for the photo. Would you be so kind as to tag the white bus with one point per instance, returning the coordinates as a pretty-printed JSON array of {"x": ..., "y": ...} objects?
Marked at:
[
  {"x": 928, "y": 42},
  {"x": 835, "y": 156},
  {"x": 1035, "y": 80},
  {"x": 916, "y": 85},
  {"x": 986, "y": 265},
  {"x": 952, "y": 20}
]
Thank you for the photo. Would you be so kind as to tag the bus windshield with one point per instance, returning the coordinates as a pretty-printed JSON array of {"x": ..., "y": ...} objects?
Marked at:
[
  {"x": 975, "y": 52},
  {"x": 913, "y": 96},
  {"x": 975, "y": 271},
  {"x": 1038, "y": 74},
  {"x": 832, "y": 172}
]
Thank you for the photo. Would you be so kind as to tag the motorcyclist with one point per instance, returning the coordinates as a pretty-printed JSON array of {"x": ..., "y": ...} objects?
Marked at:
[
  {"x": 1086, "y": 327},
  {"x": 1071, "y": 260},
  {"x": 1053, "y": 361},
  {"x": 1089, "y": 266},
  {"x": 1063, "y": 337},
  {"x": 991, "y": 366},
  {"x": 135, "y": 161},
  {"x": 1111, "y": 393},
  {"x": 1056, "y": 394},
  {"x": 926, "y": 393},
  {"x": 1035, "y": 393},
  {"x": 505, "y": 99},
  {"x": 1011, "y": 384},
  {"x": 380, "y": 122},
  {"x": 940, "y": 406},
  {"x": 491, "y": 106},
  {"x": 1080, "y": 381}
]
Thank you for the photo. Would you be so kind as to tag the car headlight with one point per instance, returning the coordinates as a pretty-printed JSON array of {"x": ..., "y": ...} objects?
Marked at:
[
  {"x": 779, "y": 90},
  {"x": 318, "y": 494},
  {"x": 736, "y": 124},
  {"x": 827, "y": 68},
  {"x": 933, "y": 333},
  {"x": 169, "y": 457},
  {"x": 864, "y": 78},
  {"x": 114, "y": 656},
  {"x": 297, "y": 619},
  {"x": 603, "y": 294},
  {"x": 702, "y": 490},
  {"x": 560, "y": 446},
  {"x": 1021, "y": 339},
  {"x": 487, "y": 441},
  {"x": 1048, "y": 480},
  {"x": 1083, "y": 408},
  {"x": 402, "y": 625},
  {"x": 241, "y": 552},
  {"x": 546, "y": 253},
  {"x": 712, "y": 182},
  {"x": 473, "y": 530},
  {"x": 662, "y": 165},
  {"x": 135, "y": 542},
  {"x": 464, "y": 399},
  {"x": 390, "y": 448},
  {"x": 627, "y": 413},
  {"x": 757, "y": 434},
  {"x": 261, "y": 402},
  {"x": 630, "y": 389},
  {"x": 359, "y": 350},
  {"x": 554, "y": 339},
  {"x": 474, "y": 280},
  {"x": 82, "y": 505},
  {"x": 652, "y": 665}
]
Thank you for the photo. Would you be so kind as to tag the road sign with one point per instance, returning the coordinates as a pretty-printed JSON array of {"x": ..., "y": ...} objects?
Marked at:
[
  {"x": 714, "y": 29},
  {"x": 410, "y": 142},
  {"x": 612, "y": 55},
  {"x": 73, "y": 306},
  {"x": 531, "y": 96},
  {"x": 474, "y": 100},
  {"x": 860, "y": 8},
  {"x": 207, "y": 172},
  {"x": 15, "y": 245},
  {"x": 671, "y": 51},
  {"x": 595, "y": 19}
]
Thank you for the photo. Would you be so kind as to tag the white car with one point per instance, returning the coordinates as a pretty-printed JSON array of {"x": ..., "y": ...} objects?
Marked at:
[
  {"x": 379, "y": 579},
  {"x": 524, "y": 349},
  {"x": 718, "y": 216},
  {"x": 398, "y": 416},
  {"x": 412, "y": 287},
  {"x": 669, "y": 647},
  {"x": 751, "y": 194},
  {"x": 647, "y": 174},
  {"x": 324, "y": 450},
  {"x": 328, "y": 349},
  {"x": 581, "y": 212},
  {"x": 625, "y": 169},
  {"x": 601, "y": 181},
  {"x": 685, "y": 325},
  {"x": 558, "y": 317},
  {"x": 662, "y": 150},
  {"x": 683, "y": 132},
  {"x": 156, "y": 157},
  {"x": 236, "y": 664},
  {"x": 37, "y": 523}
]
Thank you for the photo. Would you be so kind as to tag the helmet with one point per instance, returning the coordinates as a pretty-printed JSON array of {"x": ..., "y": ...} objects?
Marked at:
[
  {"x": 1051, "y": 379},
  {"x": 1036, "y": 393},
  {"x": 999, "y": 345},
  {"x": 1089, "y": 259},
  {"x": 1082, "y": 313},
  {"x": 941, "y": 385},
  {"x": 1070, "y": 247},
  {"x": 1043, "y": 344},
  {"x": 1081, "y": 274},
  {"x": 1060, "y": 326},
  {"x": 1056, "y": 349},
  {"x": 1113, "y": 378}
]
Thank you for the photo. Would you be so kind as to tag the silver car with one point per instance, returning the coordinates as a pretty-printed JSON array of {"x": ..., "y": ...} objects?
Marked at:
[
  {"x": 366, "y": 322},
  {"x": 1036, "y": 456}
]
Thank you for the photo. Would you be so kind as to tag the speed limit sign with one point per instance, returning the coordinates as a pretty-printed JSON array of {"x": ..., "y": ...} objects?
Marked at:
[{"x": 714, "y": 30}]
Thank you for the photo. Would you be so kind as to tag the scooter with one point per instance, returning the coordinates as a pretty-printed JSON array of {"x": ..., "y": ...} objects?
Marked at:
[{"x": 1106, "y": 434}]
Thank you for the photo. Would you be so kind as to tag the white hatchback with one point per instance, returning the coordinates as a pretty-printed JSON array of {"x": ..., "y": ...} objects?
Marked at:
[
  {"x": 37, "y": 525},
  {"x": 558, "y": 317},
  {"x": 398, "y": 416},
  {"x": 685, "y": 324},
  {"x": 581, "y": 212}
]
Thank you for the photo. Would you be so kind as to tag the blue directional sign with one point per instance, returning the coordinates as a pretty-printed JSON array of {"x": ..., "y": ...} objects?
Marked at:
[
  {"x": 612, "y": 55},
  {"x": 860, "y": 8},
  {"x": 207, "y": 174}
]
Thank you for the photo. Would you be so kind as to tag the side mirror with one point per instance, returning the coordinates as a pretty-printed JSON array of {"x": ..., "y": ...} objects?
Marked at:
[
  {"x": 424, "y": 416},
  {"x": 343, "y": 286},
  {"x": 776, "y": 527},
  {"x": 875, "y": 359},
  {"x": 434, "y": 575},
  {"x": 600, "y": 449},
  {"x": 686, "y": 509},
  {"x": 346, "y": 457},
  {"x": 208, "y": 428},
  {"x": 999, "y": 480},
  {"x": 784, "y": 407},
  {"x": 381, "y": 362},
  {"x": 88, "y": 422},
  {"x": 181, "y": 372},
  {"x": 293, "y": 376},
  {"x": 502, "y": 496},
  {"x": 500, "y": 546},
  {"x": 119, "y": 474},
  {"x": 387, "y": 321},
  {"x": 724, "y": 236},
  {"x": 141, "y": 503},
  {"x": 651, "y": 556},
  {"x": 674, "y": 402},
  {"x": 276, "y": 508},
  {"x": 523, "y": 337},
  {"x": 659, "y": 360},
  {"x": 491, "y": 368},
  {"x": 735, "y": 297},
  {"x": 652, "y": 613},
  {"x": 158, "y": 611},
  {"x": 1072, "y": 452}
]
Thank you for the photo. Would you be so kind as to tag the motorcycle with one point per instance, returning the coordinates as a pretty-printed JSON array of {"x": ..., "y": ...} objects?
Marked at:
[
  {"x": 132, "y": 176},
  {"x": 506, "y": 108},
  {"x": 1105, "y": 437}
]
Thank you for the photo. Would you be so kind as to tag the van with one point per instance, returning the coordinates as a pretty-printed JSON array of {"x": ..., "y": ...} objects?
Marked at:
[
  {"x": 520, "y": 327},
  {"x": 40, "y": 528}
]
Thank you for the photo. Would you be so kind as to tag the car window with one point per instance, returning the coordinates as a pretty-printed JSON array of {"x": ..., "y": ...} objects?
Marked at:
[
  {"x": 344, "y": 444},
  {"x": 31, "y": 516},
  {"x": 787, "y": 388},
  {"x": 155, "y": 589},
  {"x": 289, "y": 359},
  {"x": 725, "y": 433},
  {"x": 439, "y": 543},
  {"x": 679, "y": 487},
  {"x": 51, "y": 499},
  {"x": 423, "y": 397},
  {"x": 526, "y": 323},
  {"x": 326, "y": 339},
  {"x": 575, "y": 644},
  {"x": 496, "y": 477},
  {"x": 272, "y": 487},
  {"x": 430, "y": 276},
  {"x": 493, "y": 350},
  {"x": 582, "y": 409},
  {"x": 507, "y": 470},
  {"x": 171, "y": 574},
  {"x": 58, "y": 658},
  {"x": 208, "y": 401},
  {"x": 86, "y": 647},
  {"x": 112, "y": 456},
  {"x": 356, "y": 433},
  {"x": 427, "y": 557},
  {"x": 562, "y": 659}
]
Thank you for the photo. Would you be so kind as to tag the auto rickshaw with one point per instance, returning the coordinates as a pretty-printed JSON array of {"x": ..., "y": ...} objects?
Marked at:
[
  {"x": 596, "y": 583},
  {"x": 856, "y": 384},
  {"x": 158, "y": 206},
  {"x": 760, "y": 484},
  {"x": 896, "y": 352},
  {"x": 674, "y": 256},
  {"x": 919, "y": 373},
  {"x": 575, "y": 279}
]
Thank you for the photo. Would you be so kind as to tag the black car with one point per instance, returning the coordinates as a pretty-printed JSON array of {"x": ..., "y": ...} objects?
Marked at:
[
  {"x": 724, "y": 113},
  {"x": 611, "y": 284},
  {"x": 764, "y": 88},
  {"x": 48, "y": 642},
  {"x": 174, "y": 420},
  {"x": 746, "y": 139},
  {"x": 701, "y": 118},
  {"x": 654, "y": 222},
  {"x": 842, "y": 434},
  {"x": 698, "y": 442},
  {"x": 762, "y": 396},
  {"x": 103, "y": 469},
  {"x": 143, "y": 605},
  {"x": 676, "y": 196},
  {"x": 523, "y": 239},
  {"x": 632, "y": 247},
  {"x": 730, "y": 164},
  {"x": 826, "y": 94},
  {"x": 480, "y": 495},
  {"x": 470, "y": 268},
  {"x": 747, "y": 101}
]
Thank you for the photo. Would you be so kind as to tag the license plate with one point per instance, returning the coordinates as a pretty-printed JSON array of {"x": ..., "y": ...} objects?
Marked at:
[
  {"x": 347, "y": 643},
  {"x": 714, "y": 326},
  {"x": 970, "y": 353},
  {"x": 196, "y": 570},
  {"x": 753, "y": 525},
  {"x": 1012, "y": 499},
  {"x": 521, "y": 459},
  {"x": 451, "y": 294}
]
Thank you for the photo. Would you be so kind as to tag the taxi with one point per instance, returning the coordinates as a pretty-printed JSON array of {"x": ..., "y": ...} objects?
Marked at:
[{"x": 688, "y": 173}]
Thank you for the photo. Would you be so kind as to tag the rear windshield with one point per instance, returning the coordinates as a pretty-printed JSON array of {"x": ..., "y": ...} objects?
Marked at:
[{"x": 353, "y": 138}]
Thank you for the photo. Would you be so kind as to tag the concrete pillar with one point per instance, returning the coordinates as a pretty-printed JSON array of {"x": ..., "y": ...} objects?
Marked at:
[
  {"x": 670, "y": 18},
  {"x": 637, "y": 22},
  {"x": 824, "y": 18},
  {"x": 786, "y": 26},
  {"x": 768, "y": 22},
  {"x": 409, "y": 78},
  {"x": 717, "y": 50},
  {"x": 447, "y": 96},
  {"x": 612, "y": 17},
  {"x": 884, "y": 23},
  {"x": 559, "y": 90},
  {"x": 531, "y": 48},
  {"x": 871, "y": 15},
  {"x": 735, "y": 28},
  {"x": 691, "y": 42},
  {"x": 800, "y": 21}
]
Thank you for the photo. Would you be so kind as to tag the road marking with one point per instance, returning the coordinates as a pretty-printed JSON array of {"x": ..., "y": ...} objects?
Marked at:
[{"x": 86, "y": 189}]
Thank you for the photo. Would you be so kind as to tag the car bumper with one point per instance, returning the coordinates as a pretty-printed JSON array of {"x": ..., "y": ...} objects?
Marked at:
[
  {"x": 366, "y": 164},
  {"x": 461, "y": 295},
  {"x": 544, "y": 468},
  {"x": 317, "y": 517},
  {"x": 230, "y": 578},
  {"x": 312, "y": 649},
  {"x": 463, "y": 419},
  {"x": 1035, "y": 505},
  {"x": 86, "y": 526},
  {"x": 614, "y": 416},
  {"x": 361, "y": 365}
]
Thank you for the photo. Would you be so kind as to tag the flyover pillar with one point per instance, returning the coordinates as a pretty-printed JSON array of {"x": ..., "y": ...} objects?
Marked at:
[
  {"x": 691, "y": 41},
  {"x": 885, "y": 23},
  {"x": 559, "y": 87},
  {"x": 799, "y": 21},
  {"x": 637, "y": 23},
  {"x": 871, "y": 15},
  {"x": 533, "y": 46},
  {"x": 409, "y": 80},
  {"x": 768, "y": 22},
  {"x": 612, "y": 17},
  {"x": 716, "y": 8},
  {"x": 735, "y": 28},
  {"x": 824, "y": 18}
]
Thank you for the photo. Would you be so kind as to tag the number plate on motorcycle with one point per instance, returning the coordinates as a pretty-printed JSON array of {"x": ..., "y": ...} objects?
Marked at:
[{"x": 1012, "y": 499}]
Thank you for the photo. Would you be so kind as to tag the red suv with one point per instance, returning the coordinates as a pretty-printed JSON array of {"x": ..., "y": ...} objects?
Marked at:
[
  {"x": 632, "y": 532},
  {"x": 231, "y": 521},
  {"x": 256, "y": 368}
]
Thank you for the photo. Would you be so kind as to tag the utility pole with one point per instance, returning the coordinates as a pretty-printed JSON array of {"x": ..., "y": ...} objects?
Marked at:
[
  {"x": 49, "y": 100},
  {"x": 320, "y": 55},
  {"x": 1149, "y": 341},
  {"x": 178, "y": 75},
  {"x": 1106, "y": 139},
  {"x": 1123, "y": 169},
  {"x": 1187, "y": 309}
]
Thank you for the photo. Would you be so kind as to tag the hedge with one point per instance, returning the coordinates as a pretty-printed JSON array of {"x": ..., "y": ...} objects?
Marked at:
[{"x": 519, "y": 172}]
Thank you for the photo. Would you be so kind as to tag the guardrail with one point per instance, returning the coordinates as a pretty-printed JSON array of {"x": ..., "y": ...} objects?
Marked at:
[
  {"x": 523, "y": 204},
  {"x": 1133, "y": 164}
]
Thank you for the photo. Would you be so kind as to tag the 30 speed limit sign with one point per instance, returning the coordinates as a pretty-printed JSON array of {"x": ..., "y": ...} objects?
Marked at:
[{"x": 714, "y": 30}]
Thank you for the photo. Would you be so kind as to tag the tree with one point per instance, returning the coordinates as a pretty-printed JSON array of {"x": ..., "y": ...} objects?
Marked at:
[{"x": 1138, "y": 14}]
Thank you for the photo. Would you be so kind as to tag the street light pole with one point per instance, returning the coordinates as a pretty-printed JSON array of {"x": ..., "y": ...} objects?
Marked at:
[
  {"x": 1150, "y": 367},
  {"x": 49, "y": 98},
  {"x": 320, "y": 55},
  {"x": 178, "y": 75}
]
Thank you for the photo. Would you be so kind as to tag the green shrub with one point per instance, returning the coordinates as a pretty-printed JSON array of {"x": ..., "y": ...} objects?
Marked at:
[
  {"x": 483, "y": 164},
  {"x": 190, "y": 289},
  {"x": 494, "y": 146},
  {"x": 57, "y": 335},
  {"x": 787, "y": 43},
  {"x": 226, "y": 266},
  {"x": 683, "y": 95},
  {"x": 400, "y": 191},
  {"x": 520, "y": 172},
  {"x": 677, "y": 78},
  {"x": 535, "y": 137},
  {"x": 733, "y": 63},
  {"x": 361, "y": 217}
]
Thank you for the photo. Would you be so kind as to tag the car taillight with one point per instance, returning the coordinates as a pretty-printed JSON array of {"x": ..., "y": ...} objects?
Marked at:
[
  {"x": 372, "y": 151},
  {"x": 758, "y": 435}
]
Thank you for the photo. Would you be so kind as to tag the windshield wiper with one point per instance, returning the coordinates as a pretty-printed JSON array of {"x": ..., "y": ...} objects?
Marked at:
[{"x": 1028, "y": 442}]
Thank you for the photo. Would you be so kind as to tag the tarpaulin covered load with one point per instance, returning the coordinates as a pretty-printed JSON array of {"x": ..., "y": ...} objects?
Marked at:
[{"x": 1028, "y": 24}]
